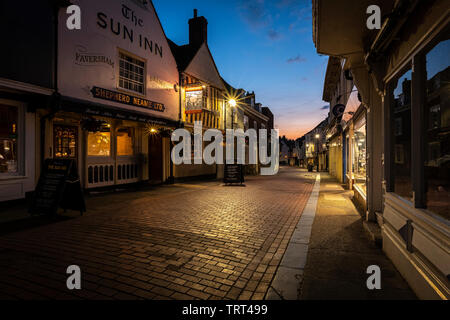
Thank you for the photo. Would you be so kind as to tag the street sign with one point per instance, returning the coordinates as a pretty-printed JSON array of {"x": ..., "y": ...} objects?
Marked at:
[
  {"x": 234, "y": 173},
  {"x": 59, "y": 185}
]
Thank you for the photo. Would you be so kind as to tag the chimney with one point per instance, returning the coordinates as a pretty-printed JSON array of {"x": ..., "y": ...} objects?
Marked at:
[{"x": 198, "y": 30}]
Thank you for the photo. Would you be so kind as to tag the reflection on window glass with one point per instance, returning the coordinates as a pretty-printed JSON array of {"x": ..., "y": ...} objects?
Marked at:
[
  {"x": 437, "y": 113},
  {"x": 99, "y": 144},
  {"x": 359, "y": 160},
  {"x": 402, "y": 136},
  {"x": 8, "y": 139},
  {"x": 125, "y": 142}
]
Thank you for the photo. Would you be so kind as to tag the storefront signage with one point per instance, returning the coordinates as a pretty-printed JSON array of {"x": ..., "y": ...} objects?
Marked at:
[
  {"x": 126, "y": 99},
  {"x": 125, "y": 32},
  {"x": 194, "y": 100},
  {"x": 59, "y": 185},
  {"x": 84, "y": 58},
  {"x": 234, "y": 173}
]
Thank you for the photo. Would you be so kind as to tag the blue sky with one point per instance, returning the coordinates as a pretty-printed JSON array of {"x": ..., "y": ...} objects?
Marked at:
[{"x": 264, "y": 46}]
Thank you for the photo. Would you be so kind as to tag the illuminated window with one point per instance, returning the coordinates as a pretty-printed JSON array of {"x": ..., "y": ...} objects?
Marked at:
[
  {"x": 359, "y": 154},
  {"x": 99, "y": 144},
  {"x": 131, "y": 74},
  {"x": 125, "y": 142},
  {"x": 65, "y": 141},
  {"x": 8, "y": 139}
]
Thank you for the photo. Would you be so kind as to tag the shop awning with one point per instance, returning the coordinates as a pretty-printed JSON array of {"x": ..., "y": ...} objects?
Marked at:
[{"x": 352, "y": 105}]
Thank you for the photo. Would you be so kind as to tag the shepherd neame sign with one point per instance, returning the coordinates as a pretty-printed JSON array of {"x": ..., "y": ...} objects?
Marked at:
[{"x": 119, "y": 97}]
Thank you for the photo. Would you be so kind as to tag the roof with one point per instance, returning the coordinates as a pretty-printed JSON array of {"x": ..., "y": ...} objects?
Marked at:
[
  {"x": 183, "y": 54},
  {"x": 321, "y": 125}
]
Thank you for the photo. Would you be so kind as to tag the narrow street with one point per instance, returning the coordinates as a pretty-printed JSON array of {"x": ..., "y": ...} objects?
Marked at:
[{"x": 187, "y": 241}]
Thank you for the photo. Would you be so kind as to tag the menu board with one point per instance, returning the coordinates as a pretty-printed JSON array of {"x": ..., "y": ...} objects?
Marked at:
[
  {"x": 234, "y": 173},
  {"x": 59, "y": 185}
]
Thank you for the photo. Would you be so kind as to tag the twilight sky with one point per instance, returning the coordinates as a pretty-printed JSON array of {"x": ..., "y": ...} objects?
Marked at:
[{"x": 264, "y": 46}]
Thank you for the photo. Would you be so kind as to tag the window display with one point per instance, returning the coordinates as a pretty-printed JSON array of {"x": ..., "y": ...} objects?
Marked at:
[
  {"x": 65, "y": 141},
  {"x": 8, "y": 139},
  {"x": 99, "y": 143},
  {"x": 125, "y": 142},
  {"x": 359, "y": 157}
]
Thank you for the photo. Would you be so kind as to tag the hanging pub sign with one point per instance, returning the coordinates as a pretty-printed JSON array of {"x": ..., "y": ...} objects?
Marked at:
[
  {"x": 234, "y": 173},
  {"x": 194, "y": 100},
  {"x": 119, "y": 97},
  {"x": 338, "y": 110},
  {"x": 59, "y": 186}
]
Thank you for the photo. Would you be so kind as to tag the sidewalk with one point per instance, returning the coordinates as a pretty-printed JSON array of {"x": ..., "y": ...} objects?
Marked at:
[{"x": 335, "y": 254}]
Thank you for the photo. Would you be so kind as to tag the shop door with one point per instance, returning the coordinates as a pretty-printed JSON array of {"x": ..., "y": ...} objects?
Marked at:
[{"x": 155, "y": 159}]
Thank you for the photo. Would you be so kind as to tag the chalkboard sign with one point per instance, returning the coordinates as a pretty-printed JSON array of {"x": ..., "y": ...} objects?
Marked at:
[
  {"x": 234, "y": 173},
  {"x": 59, "y": 185}
]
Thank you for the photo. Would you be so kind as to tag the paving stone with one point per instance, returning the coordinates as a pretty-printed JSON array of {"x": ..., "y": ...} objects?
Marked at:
[{"x": 201, "y": 240}]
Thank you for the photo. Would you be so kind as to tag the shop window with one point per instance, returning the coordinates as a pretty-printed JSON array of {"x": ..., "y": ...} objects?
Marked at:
[
  {"x": 9, "y": 118},
  {"x": 359, "y": 160},
  {"x": 125, "y": 142},
  {"x": 131, "y": 73},
  {"x": 65, "y": 141},
  {"x": 402, "y": 136},
  {"x": 99, "y": 143},
  {"x": 437, "y": 126}
]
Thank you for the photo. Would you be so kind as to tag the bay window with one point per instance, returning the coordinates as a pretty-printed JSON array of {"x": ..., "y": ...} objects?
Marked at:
[
  {"x": 402, "y": 136},
  {"x": 99, "y": 143},
  {"x": 419, "y": 139},
  {"x": 437, "y": 129}
]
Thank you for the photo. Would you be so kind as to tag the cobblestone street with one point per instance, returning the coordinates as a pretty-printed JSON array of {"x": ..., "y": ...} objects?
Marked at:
[{"x": 187, "y": 241}]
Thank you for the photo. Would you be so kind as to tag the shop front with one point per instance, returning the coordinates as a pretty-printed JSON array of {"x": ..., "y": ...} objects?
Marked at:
[
  {"x": 359, "y": 160},
  {"x": 111, "y": 147},
  {"x": 335, "y": 151},
  {"x": 355, "y": 150},
  {"x": 119, "y": 87},
  {"x": 17, "y": 150},
  {"x": 402, "y": 75}
]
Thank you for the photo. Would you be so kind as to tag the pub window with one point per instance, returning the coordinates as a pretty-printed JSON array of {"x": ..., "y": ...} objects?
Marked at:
[
  {"x": 9, "y": 117},
  {"x": 65, "y": 141},
  {"x": 125, "y": 142},
  {"x": 437, "y": 129},
  {"x": 131, "y": 73},
  {"x": 402, "y": 136},
  {"x": 99, "y": 143}
]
